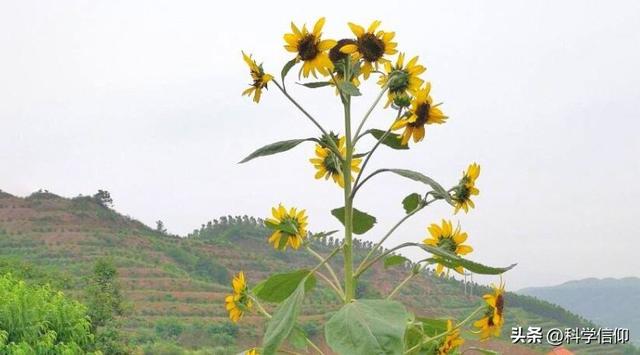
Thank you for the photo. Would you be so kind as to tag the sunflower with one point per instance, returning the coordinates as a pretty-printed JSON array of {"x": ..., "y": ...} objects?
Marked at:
[
  {"x": 491, "y": 323},
  {"x": 402, "y": 79},
  {"x": 253, "y": 351},
  {"x": 422, "y": 112},
  {"x": 238, "y": 301},
  {"x": 260, "y": 79},
  {"x": 451, "y": 341},
  {"x": 328, "y": 164},
  {"x": 338, "y": 59},
  {"x": 371, "y": 46},
  {"x": 466, "y": 188},
  {"x": 310, "y": 48},
  {"x": 448, "y": 239},
  {"x": 290, "y": 227}
]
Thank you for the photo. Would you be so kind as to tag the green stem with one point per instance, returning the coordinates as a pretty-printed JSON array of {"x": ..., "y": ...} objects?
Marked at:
[
  {"x": 260, "y": 308},
  {"x": 329, "y": 269},
  {"x": 384, "y": 238},
  {"x": 400, "y": 285},
  {"x": 333, "y": 286},
  {"x": 368, "y": 157},
  {"x": 325, "y": 260},
  {"x": 332, "y": 144},
  {"x": 363, "y": 267},
  {"x": 349, "y": 282},
  {"x": 314, "y": 345},
  {"x": 366, "y": 116}
]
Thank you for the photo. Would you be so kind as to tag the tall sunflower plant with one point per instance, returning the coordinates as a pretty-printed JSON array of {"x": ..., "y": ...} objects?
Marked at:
[{"x": 362, "y": 326}]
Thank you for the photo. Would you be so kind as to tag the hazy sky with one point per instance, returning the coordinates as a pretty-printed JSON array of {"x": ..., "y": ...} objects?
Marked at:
[{"x": 142, "y": 98}]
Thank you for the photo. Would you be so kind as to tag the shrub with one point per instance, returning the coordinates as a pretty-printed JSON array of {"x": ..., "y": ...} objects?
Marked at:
[{"x": 39, "y": 320}]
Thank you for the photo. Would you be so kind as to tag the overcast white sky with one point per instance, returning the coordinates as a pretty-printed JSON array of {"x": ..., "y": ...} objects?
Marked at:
[{"x": 142, "y": 98}]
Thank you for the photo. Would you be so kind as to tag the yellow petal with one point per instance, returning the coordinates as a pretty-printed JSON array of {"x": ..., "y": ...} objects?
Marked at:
[{"x": 356, "y": 29}]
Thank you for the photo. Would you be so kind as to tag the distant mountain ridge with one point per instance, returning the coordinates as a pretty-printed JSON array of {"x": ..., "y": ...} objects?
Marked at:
[{"x": 608, "y": 302}]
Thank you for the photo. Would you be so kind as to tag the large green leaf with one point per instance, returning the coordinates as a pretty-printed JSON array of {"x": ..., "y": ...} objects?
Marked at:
[
  {"x": 280, "y": 286},
  {"x": 287, "y": 67},
  {"x": 362, "y": 222},
  {"x": 348, "y": 88},
  {"x": 411, "y": 202},
  {"x": 452, "y": 261},
  {"x": 416, "y": 176},
  {"x": 368, "y": 327},
  {"x": 394, "y": 260},
  {"x": 392, "y": 140},
  {"x": 274, "y": 148},
  {"x": 283, "y": 321}
]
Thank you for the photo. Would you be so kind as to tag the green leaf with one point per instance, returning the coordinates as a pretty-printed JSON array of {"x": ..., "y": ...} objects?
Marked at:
[
  {"x": 416, "y": 176},
  {"x": 274, "y": 148},
  {"x": 394, "y": 260},
  {"x": 368, "y": 327},
  {"x": 280, "y": 286},
  {"x": 392, "y": 140},
  {"x": 316, "y": 84},
  {"x": 432, "y": 327},
  {"x": 417, "y": 331},
  {"x": 287, "y": 67},
  {"x": 323, "y": 234},
  {"x": 348, "y": 88},
  {"x": 298, "y": 338},
  {"x": 452, "y": 261},
  {"x": 282, "y": 321},
  {"x": 411, "y": 202},
  {"x": 362, "y": 222}
]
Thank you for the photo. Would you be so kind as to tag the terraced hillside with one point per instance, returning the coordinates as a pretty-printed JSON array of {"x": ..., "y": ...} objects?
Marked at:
[{"x": 175, "y": 287}]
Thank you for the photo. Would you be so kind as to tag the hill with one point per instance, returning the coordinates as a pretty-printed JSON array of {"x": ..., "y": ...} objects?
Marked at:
[
  {"x": 608, "y": 302},
  {"x": 175, "y": 286}
]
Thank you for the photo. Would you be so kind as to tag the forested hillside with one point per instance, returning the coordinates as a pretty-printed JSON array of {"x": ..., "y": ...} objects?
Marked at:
[{"x": 173, "y": 288}]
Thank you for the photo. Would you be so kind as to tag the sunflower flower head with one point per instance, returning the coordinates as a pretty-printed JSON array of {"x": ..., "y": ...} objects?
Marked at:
[
  {"x": 466, "y": 188},
  {"x": 289, "y": 227},
  {"x": 370, "y": 46},
  {"x": 238, "y": 302},
  {"x": 451, "y": 341},
  {"x": 451, "y": 240},
  {"x": 253, "y": 351},
  {"x": 310, "y": 48},
  {"x": 491, "y": 322},
  {"x": 339, "y": 60},
  {"x": 260, "y": 78},
  {"x": 402, "y": 79},
  {"x": 328, "y": 164},
  {"x": 422, "y": 112}
]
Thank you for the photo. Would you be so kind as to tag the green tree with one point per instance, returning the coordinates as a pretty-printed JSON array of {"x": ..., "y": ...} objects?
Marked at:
[
  {"x": 39, "y": 320},
  {"x": 103, "y": 198},
  {"x": 105, "y": 304}
]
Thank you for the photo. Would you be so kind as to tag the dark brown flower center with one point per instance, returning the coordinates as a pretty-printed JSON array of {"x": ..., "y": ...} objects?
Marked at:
[
  {"x": 371, "y": 47},
  {"x": 499, "y": 304},
  {"x": 422, "y": 112},
  {"x": 308, "y": 47},
  {"x": 334, "y": 53},
  {"x": 257, "y": 79}
]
